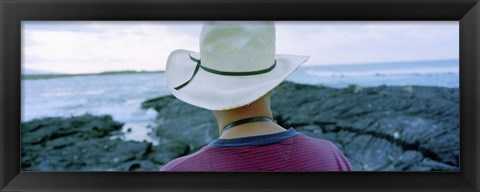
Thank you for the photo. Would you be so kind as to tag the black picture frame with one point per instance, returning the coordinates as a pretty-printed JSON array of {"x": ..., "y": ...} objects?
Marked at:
[{"x": 12, "y": 12}]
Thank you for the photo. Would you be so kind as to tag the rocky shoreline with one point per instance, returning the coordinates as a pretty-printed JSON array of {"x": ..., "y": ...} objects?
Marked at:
[{"x": 385, "y": 128}]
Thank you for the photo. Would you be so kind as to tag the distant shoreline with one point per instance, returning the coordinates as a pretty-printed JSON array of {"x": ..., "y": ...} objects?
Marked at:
[
  {"x": 325, "y": 67},
  {"x": 50, "y": 76}
]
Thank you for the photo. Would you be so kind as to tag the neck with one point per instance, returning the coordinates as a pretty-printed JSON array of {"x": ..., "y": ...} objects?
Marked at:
[{"x": 261, "y": 107}]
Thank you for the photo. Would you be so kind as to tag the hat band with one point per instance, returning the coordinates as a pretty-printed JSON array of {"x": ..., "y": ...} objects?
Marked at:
[{"x": 226, "y": 73}]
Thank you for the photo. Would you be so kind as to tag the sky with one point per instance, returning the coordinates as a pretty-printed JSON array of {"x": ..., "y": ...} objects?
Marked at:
[{"x": 75, "y": 47}]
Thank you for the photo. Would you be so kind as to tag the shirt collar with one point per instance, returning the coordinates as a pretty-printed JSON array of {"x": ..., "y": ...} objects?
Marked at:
[{"x": 255, "y": 140}]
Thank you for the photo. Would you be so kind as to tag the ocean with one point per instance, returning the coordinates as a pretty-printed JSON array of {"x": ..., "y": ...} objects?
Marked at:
[
  {"x": 121, "y": 95},
  {"x": 442, "y": 73}
]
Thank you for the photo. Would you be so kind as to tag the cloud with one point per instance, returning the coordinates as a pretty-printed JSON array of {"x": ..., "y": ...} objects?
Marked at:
[
  {"x": 369, "y": 42},
  {"x": 87, "y": 47},
  {"x": 99, "y": 47}
]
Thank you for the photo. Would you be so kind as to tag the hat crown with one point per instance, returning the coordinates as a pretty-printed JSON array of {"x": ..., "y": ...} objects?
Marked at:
[{"x": 237, "y": 46}]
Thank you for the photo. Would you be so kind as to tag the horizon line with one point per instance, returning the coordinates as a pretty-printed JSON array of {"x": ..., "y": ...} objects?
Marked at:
[{"x": 158, "y": 71}]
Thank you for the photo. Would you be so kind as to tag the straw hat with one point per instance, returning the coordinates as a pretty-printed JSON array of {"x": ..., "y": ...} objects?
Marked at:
[{"x": 236, "y": 65}]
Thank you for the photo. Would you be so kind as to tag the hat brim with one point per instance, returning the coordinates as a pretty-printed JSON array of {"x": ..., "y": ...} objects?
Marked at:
[{"x": 219, "y": 92}]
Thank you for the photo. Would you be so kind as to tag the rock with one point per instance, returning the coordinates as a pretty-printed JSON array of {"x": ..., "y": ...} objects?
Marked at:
[
  {"x": 437, "y": 166},
  {"x": 390, "y": 119},
  {"x": 167, "y": 151},
  {"x": 158, "y": 103},
  {"x": 81, "y": 143},
  {"x": 86, "y": 126},
  {"x": 408, "y": 160},
  {"x": 93, "y": 155},
  {"x": 138, "y": 165},
  {"x": 182, "y": 128},
  {"x": 378, "y": 128}
]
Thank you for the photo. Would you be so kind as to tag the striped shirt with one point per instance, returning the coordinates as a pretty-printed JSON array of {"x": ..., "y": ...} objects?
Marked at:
[{"x": 284, "y": 151}]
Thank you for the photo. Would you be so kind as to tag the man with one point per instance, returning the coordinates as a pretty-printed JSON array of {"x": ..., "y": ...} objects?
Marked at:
[{"x": 232, "y": 76}]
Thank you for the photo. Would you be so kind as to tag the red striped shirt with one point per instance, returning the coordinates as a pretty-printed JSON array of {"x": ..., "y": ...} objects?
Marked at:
[{"x": 284, "y": 151}]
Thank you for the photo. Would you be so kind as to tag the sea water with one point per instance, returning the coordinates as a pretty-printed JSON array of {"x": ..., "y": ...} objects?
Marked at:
[
  {"x": 443, "y": 73},
  {"x": 121, "y": 95}
]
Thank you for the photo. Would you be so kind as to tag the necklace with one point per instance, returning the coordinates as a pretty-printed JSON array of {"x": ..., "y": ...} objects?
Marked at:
[{"x": 246, "y": 120}]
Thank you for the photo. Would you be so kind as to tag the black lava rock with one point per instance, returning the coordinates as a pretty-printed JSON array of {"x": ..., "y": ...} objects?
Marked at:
[
  {"x": 80, "y": 143},
  {"x": 385, "y": 128}
]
